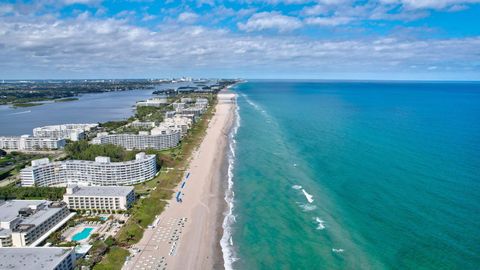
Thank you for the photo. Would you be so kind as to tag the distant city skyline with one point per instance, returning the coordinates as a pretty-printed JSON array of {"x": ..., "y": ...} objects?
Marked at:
[{"x": 253, "y": 39}]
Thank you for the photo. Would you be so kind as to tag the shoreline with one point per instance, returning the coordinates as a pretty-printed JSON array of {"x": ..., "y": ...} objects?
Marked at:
[{"x": 188, "y": 233}]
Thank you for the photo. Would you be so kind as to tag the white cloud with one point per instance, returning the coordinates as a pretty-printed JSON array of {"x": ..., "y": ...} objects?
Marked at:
[
  {"x": 84, "y": 2},
  {"x": 86, "y": 47},
  {"x": 429, "y": 4},
  {"x": 315, "y": 10},
  {"x": 5, "y": 9},
  {"x": 187, "y": 17},
  {"x": 270, "y": 21},
  {"x": 328, "y": 21}
]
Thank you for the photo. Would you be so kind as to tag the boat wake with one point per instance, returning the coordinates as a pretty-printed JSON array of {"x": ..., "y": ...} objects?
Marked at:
[
  {"x": 227, "y": 241},
  {"x": 20, "y": 112}
]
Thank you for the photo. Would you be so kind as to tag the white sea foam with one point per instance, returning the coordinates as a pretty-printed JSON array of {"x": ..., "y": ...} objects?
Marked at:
[
  {"x": 296, "y": 187},
  {"x": 307, "y": 207},
  {"x": 20, "y": 112},
  {"x": 338, "y": 250},
  {"x": 307, "y": 196},
  {"x": 257, "y": 107},
  {"x": 227, "y": 241},
  {"x": 321, "y": 223}
]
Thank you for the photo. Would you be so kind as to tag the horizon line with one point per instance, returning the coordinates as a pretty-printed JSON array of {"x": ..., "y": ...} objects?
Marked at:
[{"x": 257, "y": 79}]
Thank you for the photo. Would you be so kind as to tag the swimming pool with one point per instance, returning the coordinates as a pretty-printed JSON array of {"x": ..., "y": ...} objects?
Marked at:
[{"x": 84, "y": 234}]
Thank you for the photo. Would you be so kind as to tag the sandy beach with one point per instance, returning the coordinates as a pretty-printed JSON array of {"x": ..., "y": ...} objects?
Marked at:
[{"x": 188, "y": 233}]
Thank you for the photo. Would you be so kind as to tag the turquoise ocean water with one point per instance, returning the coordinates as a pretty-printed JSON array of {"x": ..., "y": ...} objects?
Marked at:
[{"x": 355, "y": 175}]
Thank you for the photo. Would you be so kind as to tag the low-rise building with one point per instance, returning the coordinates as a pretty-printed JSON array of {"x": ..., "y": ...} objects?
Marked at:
[
  {"x": 179, "y": 123},
  {"x": 29, "y": 143},
  {"x": 187, "y": 100},
  {"x": 100, "y": 198},
  {"x": 178, "y": 106},
  {"x": 138, "y": 124},
  {"x": 29, "y": 222},
  {"x": 197, "y": 111},
  {"x": 72, "y": 132},
  {"x": 153, "y": 102},
  {"x": 38, "y": 258},
  {"x": 170, "y": 114},
  {"x": 201, "y": 102},
  {"x": 101, "y": 172}
]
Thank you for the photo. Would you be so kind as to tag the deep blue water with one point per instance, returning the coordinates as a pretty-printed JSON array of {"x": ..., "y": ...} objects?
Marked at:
[{"x": 393, "y": 168}]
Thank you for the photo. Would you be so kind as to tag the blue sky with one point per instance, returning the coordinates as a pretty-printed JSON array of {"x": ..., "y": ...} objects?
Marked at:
[{"x": 314, "y": 39}]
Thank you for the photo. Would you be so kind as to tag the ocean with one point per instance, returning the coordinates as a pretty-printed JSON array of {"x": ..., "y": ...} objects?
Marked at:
[{"x": 354, "y": 175}]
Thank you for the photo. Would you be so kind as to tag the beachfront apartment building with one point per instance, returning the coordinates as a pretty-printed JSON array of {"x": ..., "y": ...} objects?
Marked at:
[
  {"x": 138, "y": 124},
  {"x": 170, "y": 114},
  {"x": 182, "y": 124},
  {"x": 99, "y": 198},
  {"x": 154, "y": 102},
  {"x": 37, "y": 258},
  {"x": 29, "y": 143},
  {"x": 201, "y": 102},
  {"x": 30, "y": 222},
  {"x": 178, "y": 106},
  {"x": 101, "y": 172},
  {"x": 187, "y": 100},
  {"x": 141, "y": 141},
  {"x": 72, "y": 132}
]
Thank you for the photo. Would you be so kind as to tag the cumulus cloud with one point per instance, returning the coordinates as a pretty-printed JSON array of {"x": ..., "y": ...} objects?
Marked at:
[
  {"x": 84, "y": 2},
  {"x": 270, "y": 21},
  {"x": 187, "y": 17},
  {"x": 328, "y": 21},
  {"x": 429, "y": 4},
  {"x": 83, "y": 45},
  {"x": 5, "y": 9}
]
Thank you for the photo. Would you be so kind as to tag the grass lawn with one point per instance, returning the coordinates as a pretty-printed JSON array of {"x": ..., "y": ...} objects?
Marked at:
[{"x": 114, "y": 259}]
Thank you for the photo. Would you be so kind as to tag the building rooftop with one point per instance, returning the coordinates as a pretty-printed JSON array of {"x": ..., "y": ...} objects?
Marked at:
[
  {"x": 37, "y": 258},
  {"x": 9, "y": 210},
  {"x": 105, "y": 191}
]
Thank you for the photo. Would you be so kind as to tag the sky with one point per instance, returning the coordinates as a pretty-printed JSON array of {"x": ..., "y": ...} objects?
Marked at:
[{"x": 273, "y": 39}]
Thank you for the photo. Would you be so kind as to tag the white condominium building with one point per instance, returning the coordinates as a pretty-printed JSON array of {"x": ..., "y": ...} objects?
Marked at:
[
  {"x": 201, "y": 102},
  {"x": 138, "y": 124},
  {"x": 179, "y": 123},
  {"x": 37, "y": 258},
  {"x": 141, "y": 141},
  {"x": 178, "y": 106},
  {"x": 29, "y": 222},
  {"x": 72, "y": 132},
  {"x": 106, "y": 198},
  {"x": 197, "y": 111},
  {"x": 101, "y": 172},
  {"x": 29, "y": 143},
  {"x": 154, "y": 102},
  {"x": 170, "y": 114},
  {"x": 187, "y": 100}
]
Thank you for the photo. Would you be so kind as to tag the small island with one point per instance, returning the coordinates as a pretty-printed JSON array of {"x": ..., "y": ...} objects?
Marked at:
[
  {"x": 66, "y": 99},
  {"x": 26, "y": 104}
]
